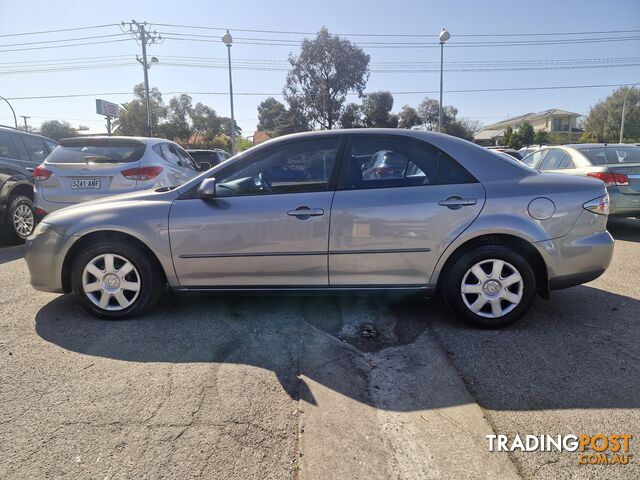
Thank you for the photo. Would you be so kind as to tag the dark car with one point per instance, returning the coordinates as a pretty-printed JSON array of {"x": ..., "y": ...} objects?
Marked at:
[
  {"x": 208, "y": 158},
  {"x": 20, "y": 154}
]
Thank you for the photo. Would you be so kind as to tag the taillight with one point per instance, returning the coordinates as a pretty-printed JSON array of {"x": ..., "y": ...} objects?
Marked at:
[
  {"x": 40, "y": 173},
  {"x": 611, "y": 179},
  {"x": 598, "y": 205},
  {"x": 141, "y": 173}
]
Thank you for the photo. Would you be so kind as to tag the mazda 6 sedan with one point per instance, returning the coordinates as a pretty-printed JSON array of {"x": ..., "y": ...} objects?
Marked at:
[{"x": 484, "y": 230}]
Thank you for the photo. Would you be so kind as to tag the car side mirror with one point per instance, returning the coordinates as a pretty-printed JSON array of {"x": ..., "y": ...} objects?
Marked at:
[
  {"x": 207, "y": 188},
  {"x": 204, "y": 166}
]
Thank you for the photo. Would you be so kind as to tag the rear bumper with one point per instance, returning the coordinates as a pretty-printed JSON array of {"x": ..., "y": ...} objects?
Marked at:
[
  {"x": 623, "y": 205},
  {"x": 578, "y": 257}
]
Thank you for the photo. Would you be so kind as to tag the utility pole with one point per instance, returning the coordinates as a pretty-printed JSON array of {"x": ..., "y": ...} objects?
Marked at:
[
  {"x": 138, "y": 30},
  {"x": 227, "y": 39},
  {"x": 24, "y": 117}
]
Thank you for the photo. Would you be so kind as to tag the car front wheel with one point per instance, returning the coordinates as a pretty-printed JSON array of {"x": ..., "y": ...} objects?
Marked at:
[
  {"x": 116, "y": 281},
  {"x": 20, "y": 218},
  {"x": 490, "y": 286}
]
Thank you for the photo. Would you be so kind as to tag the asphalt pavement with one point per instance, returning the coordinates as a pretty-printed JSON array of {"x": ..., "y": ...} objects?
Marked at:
[{"x": 314, "y": 386}]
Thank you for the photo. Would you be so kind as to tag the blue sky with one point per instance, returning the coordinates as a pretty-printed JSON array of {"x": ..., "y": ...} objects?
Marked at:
[{"x": 414, "y": 17}]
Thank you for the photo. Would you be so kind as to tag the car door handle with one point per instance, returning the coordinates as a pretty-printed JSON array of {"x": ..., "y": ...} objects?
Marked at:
[
  {"x": 305, "y": 212},
  {"x": 457, "y": 202}
]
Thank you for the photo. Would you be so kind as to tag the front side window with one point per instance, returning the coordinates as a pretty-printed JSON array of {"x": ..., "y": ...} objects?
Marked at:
[
  {"x": 533, "y": 159},
  {"x": 185, "y": 159},
  {"x": 376, "y": 162},
  {"x": 304, "y": 166},
  {"x": 36, "y": 148}
]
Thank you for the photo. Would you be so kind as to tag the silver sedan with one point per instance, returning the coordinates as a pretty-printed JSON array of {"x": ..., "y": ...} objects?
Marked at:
[{"x": 296, "y": 213}]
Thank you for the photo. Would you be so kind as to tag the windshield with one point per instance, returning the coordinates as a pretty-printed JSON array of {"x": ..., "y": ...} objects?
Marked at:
[{"x": 612, "y": 155}]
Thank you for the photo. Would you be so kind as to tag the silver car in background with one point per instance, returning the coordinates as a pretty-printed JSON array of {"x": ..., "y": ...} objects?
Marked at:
[
  {"x": 88, "y": 168},
  {"x": 617, "y": 165},
  {"x": 297, "y": 214}
]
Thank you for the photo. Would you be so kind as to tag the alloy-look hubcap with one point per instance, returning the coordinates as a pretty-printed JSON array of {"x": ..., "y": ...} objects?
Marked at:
[
  {"x": 23, "y": 220},
  {"x": 492, "y": 288},
  {"x": 111, "y": 282}
]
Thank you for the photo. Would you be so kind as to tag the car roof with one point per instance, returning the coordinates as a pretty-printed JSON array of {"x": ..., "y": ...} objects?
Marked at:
[
  {"x": 145, "y": 140},
  {"x": 7, "y": 129},
  {"x": 583, "y": 146}
]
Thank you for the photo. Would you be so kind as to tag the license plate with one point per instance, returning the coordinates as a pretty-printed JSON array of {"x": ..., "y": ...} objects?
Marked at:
[{"x": 85, "y": 183}]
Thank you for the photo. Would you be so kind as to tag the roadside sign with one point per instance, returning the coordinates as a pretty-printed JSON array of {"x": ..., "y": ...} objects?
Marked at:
[{"x": 107, "y": 109}]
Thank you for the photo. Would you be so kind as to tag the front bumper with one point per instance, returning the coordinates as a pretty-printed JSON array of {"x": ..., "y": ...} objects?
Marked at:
[{"x": 44, "y": 255}]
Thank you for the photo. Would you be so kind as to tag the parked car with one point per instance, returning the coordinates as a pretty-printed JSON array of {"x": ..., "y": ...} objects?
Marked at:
[
  {"x": 482, "y": 229},
  {"x": 528, "y": 149},
  {"x": 508, "y": 150},
  {"x": 617, "y": 165},
  {"x": 89, "y": 168},
  {"x": 208, "y": 158},
  {"x": 20, "y": 154}
]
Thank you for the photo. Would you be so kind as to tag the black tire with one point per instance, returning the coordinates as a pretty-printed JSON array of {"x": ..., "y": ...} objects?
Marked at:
[
  {"x": 151, "y": 278},
  {"x": 13, "y": 235},
  {"x": 451, "y": 288}
]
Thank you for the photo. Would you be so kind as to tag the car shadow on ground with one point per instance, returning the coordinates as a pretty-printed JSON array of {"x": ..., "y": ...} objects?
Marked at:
[
  {"x": 627, "y": 229},
  {"x": 565, "y": 354},
  {"x": 9, "y": 253}
]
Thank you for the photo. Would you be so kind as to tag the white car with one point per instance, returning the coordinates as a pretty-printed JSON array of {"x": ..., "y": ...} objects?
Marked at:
[{"x": 88, "y": 168}]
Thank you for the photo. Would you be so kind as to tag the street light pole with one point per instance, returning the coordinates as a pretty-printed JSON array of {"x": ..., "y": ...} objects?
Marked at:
[
  {"x": 15, "y": 119},
  {"x": 227, "y": 39},
  {"x": 624, "y": 104},
  {"x": 444, "y": 36}
]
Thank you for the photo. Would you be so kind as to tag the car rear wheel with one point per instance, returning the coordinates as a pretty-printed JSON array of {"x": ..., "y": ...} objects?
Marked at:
[
  {"x": 20, "y": 218},
  {"x": 490, "y": 286},
  {"x": 116, "y": 281}
]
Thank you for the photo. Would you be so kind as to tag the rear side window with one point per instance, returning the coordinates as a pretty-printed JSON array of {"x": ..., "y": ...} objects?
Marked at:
[
  {"x": 97, "y": 151},
  {"x": 552, "y": 159},
  {"x": 380, "y": 162},
  {"x": 7, "y": 149}
]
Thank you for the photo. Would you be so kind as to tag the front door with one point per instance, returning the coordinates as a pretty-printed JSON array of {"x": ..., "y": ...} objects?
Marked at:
[
  {"x": 268, "y": 224},
  {"x": 400, "y": 203}
]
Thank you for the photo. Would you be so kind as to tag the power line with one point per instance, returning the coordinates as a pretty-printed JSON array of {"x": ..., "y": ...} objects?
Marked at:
[
  {"x": 69, "y": 45},
  {"x": 556, "y": 87},
  {"x": 59, "y": 30},
  {"x": 417, "y": 35},
  {"x": 62, "y": 40}
]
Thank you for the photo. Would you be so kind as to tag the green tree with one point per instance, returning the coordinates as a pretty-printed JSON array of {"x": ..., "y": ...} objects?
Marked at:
[
  {"x": 177, "y": 125},
  {"x": 603, "y": 120},
  {"x": 526, "y": 133},
  {"x": 327, "y": 68},
  {"x": 541, "y": 137},
  {"x": 409, "y": 117},
  {"x": 507, "y": 136},
  {"x": 463, "y": 128},
  {"x": 56, "y": 130},
  {"x": 351, "y": 116},
  {"x": 133, "y": 115},
  {"x": 376, "y": 108},
  {"x": 274, "y": 117}
]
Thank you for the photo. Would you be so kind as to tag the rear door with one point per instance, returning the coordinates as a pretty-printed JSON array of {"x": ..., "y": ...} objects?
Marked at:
[
  {"x": 88, "y": 168},
  {"x": 10, "y": 164},
  {"x": 391, "y": 230}
]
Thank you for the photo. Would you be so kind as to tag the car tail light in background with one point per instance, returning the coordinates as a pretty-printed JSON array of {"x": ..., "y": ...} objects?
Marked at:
[
  {"x": 598, "y": 205},
  {"x": 39, "y": 213},
  {"x": 40, "y": 173},
  {"x": 611, "y": 179},
  {"x": 141, "y": 173}
]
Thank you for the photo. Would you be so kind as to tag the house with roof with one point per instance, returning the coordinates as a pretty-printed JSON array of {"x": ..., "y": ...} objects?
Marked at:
[{"x": 553, "y": 121}]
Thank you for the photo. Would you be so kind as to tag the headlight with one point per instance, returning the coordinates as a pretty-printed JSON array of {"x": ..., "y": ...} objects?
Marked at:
[
  {"x": 598, "y": 205},
  {"x": 41, "y": 228}
]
